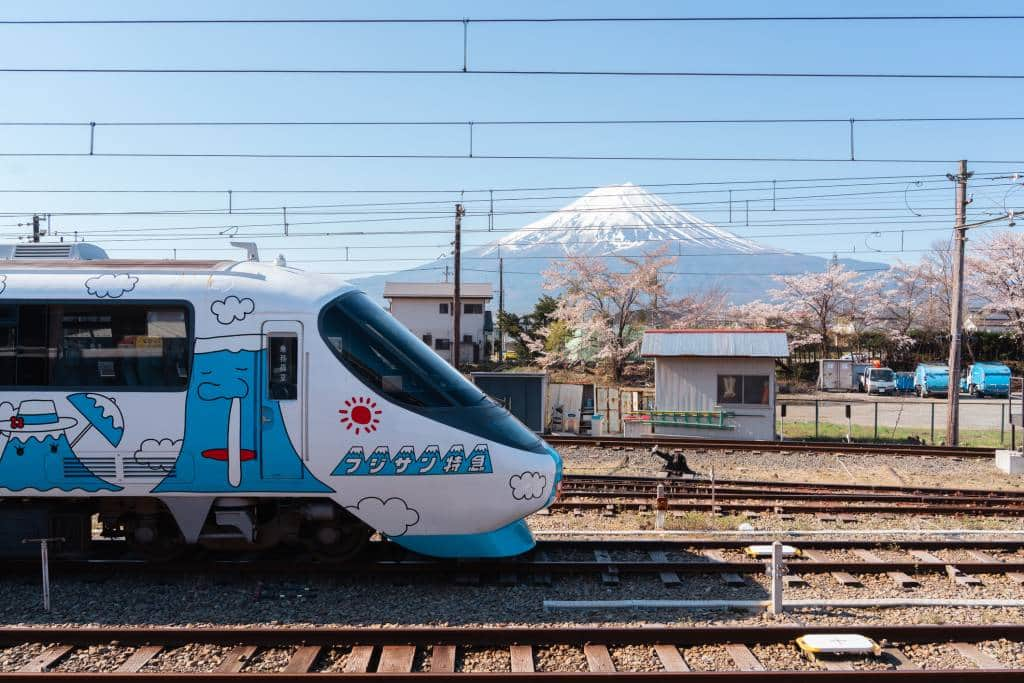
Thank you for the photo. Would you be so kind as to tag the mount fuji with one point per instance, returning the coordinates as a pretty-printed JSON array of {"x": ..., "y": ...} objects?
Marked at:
[{"x": 622, "y": 220}]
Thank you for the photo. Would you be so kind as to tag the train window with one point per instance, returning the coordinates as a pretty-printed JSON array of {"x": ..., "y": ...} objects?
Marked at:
[
  {"x": 283, "y": 359},
  {"x": 745, "y": 389},
  {"x": 95, "y": 345},
  {"x": 387, "y": 357}
]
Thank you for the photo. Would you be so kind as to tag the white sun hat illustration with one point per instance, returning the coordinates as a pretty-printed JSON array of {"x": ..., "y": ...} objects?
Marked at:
[{"x": 37, "y": 416}]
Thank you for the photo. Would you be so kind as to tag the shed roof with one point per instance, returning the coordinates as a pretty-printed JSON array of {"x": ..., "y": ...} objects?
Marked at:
[
  {"x": 436, "y": 290},
  {"x": 740, "y": 343}
]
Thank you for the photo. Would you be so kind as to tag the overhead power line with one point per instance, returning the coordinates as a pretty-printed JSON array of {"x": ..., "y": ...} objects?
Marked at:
[
  {"x": 511, "y": 20},
  {"x": 467, "y": 71},
  {"x": 521, "y": 122},
  {"x": 499, "y": 157}
]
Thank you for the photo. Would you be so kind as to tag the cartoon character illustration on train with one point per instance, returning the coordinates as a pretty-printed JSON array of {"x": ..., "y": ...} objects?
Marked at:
[{"x": 242, "y": 405}]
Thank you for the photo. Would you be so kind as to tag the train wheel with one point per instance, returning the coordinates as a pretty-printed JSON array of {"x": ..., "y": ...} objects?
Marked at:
[{"x": 340, "y": 542}]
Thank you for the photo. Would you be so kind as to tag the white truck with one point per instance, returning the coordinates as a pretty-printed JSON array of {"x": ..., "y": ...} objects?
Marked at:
[{"x": 878, "y": 381}]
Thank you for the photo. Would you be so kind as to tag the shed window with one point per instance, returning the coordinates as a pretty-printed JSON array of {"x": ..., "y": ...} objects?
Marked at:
[{"x": 744, "y": 389}]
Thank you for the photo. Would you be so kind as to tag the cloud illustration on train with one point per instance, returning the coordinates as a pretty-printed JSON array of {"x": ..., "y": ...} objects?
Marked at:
[
  {"x": 528, "y": 485},
  {"x": 231, "y": 309},
  {"x": 157, "y": 455},
  {"x": 6, "y": 411},
  {"x": 111, "y": 285},
  {"x": 391, "y": 517}
]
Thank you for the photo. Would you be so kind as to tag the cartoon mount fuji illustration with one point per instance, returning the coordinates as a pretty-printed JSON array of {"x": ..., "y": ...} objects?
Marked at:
[{"x": 37, "y": 454}]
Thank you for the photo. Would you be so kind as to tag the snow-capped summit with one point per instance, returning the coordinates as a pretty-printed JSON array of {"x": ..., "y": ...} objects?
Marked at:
[
  {"x": 621, "y": 220},
  {"x": 616, "y": 218}
]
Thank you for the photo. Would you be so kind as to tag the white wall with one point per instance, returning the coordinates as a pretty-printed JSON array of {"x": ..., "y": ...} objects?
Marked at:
[
  {"x": 421, "y": 316},
  {"x": 691, "y": 383}
]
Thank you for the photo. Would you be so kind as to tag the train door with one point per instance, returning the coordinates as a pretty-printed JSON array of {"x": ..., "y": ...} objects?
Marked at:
[{"x": 283, "y": 395}]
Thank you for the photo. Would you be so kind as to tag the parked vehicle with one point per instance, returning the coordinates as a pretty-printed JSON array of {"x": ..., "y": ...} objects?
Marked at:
[
  {"x": 988, "y": 379},
  {"x": 840, "y": 374},
  {"x": 878, "y": 381},
  {"x": 904, "y": 382},
  {"x": 931, "y": 379}
]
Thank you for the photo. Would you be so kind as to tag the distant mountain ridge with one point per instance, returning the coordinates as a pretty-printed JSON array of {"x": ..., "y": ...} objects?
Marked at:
[{"x": 622, "y": 220}]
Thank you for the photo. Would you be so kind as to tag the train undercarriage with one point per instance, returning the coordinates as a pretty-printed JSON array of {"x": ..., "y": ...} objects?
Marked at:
[{"x": 150, "y": 528}]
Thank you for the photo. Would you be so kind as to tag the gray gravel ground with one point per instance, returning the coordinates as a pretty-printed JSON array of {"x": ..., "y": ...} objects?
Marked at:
[
  {"x": 194, "y": 657},
  {"x": 708, "y": 658},
  {"x": 895, "y": 470},
  {"x": 937, "y": 656},
  {"x": 482, "y": 659},
  {"x": 197, "y": 601},
  {"x": 13, "y": 658},
  {"x": 559, "y": 658},
  {"x": 94, "y": 658}
]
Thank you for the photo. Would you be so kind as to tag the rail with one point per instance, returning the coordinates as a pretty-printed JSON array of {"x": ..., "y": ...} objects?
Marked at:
[
  {"x": 394, "y": 652},
  {"x": 771, "y": 446}
]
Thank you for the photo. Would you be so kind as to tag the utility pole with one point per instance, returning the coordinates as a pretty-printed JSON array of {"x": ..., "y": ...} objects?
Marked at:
[
  {"x": 35, "y": 227},
  {"x": 457, "y": 298},
  {"x": 501, "y": 309},
  {"x": 956, "y": 307}
]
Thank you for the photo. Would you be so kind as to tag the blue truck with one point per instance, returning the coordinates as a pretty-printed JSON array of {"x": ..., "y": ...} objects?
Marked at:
[
  {"x": 931, "y": 379},
  {"x": 988, "y": 379}
]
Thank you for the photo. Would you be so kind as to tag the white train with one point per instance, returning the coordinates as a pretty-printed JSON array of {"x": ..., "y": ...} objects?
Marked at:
[{"x": 239, "y": 405}]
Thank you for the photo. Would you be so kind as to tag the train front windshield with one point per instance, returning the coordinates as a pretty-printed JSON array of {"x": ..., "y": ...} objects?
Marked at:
[
  {"x": 384, "y": 354},
  {"x": 392, "y": 361}
]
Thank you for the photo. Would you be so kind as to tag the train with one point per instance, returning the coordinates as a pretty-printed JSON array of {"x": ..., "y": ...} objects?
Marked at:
[{"x": 239, "y": 405}]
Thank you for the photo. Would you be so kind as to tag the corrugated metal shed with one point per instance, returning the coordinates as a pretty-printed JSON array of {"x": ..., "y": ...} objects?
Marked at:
[
  {"x": 739, "y": 343},
  {"x": 435, "y": 290}
]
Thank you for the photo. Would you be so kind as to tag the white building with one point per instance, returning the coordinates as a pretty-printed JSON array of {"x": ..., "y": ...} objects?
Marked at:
[
  {"x": 718, "y": 384},
  {"x": 427, "y": 309}
]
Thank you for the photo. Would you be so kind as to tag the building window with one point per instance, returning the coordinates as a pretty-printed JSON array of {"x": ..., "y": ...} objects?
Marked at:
[
  {"x": 467, "y": 339},
  {"x": 442, "y": 309},
  {"x": 442, "y": 344},
  {"x": 428, "y": 339},
  {"x": 744, "y": 389},
  {"x": 95, "y": 345},
  {"x": 473, "y": 309}
]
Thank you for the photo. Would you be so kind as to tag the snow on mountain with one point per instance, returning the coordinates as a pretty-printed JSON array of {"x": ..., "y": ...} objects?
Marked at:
[
  {"x": 621, "y": 220},
  {"x": 618, "y": 218}
]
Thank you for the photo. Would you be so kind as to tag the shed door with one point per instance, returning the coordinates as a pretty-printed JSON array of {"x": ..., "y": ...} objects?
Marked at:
[{"x": 283, "y": 401}]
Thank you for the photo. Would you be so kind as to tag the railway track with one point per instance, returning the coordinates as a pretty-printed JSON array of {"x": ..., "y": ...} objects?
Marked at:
[
  {"x": 771, "y": 446},
  {"x": 663, "y": 653},
  {"x": 610, "y": 494},
  {"x": 610, "y": 559}
]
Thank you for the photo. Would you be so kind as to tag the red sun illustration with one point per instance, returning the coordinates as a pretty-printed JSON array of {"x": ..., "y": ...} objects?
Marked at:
[{"x": 361, "y": 414}]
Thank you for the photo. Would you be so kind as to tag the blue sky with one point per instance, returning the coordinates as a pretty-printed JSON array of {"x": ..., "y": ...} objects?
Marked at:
[{"x": 980, "y": 47}]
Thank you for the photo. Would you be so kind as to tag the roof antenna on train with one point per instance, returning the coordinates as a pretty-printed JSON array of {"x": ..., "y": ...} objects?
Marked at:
[{"x": 252, "y": 252}]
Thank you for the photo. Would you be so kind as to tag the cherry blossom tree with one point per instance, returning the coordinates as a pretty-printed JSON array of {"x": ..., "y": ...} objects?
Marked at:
[
  {"x": 605, "y": 308},
  {"x": 936, "y": 269},
  {"x": 995, "y": 271},
  {"x": 896, "y": 300},
  {"x": 812, "y": 304}
]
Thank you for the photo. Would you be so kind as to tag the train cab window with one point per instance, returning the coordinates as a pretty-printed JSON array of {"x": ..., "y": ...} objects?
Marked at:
[
  {"x": 95, "y": 345},
  {"x": 387, "y": 357},
  {"x": 283, "y": 371}
]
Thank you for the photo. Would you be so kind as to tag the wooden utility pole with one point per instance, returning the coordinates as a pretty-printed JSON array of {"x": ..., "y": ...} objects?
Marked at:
[
  {"x": 501, "y": 309},
  {"x": 35, "y": 227},
  {"x": 956, "y": 307},
  {"x": 456, "y": 346}
]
